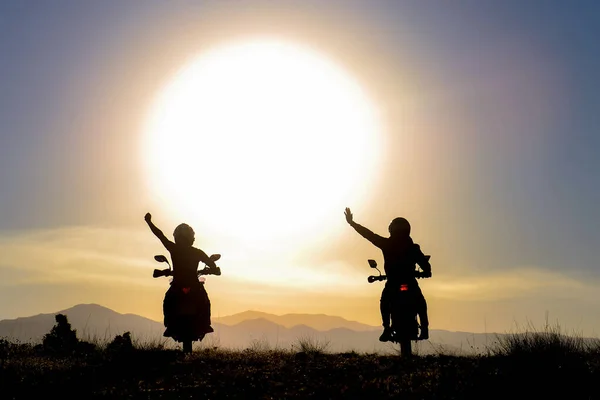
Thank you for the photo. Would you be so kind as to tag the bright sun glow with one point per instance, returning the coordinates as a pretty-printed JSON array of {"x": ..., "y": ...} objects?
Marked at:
[{"x": 263, "y": 140}]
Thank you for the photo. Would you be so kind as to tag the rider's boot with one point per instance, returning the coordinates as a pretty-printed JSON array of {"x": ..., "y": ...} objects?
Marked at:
[
  {"x": 424, "y": 333},
  {"x": 386, "y": 336},
  {"x": 423, "y": 318},
  {"x": 167, "y": 332}
]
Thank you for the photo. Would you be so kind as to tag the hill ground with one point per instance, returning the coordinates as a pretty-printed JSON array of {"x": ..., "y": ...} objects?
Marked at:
[{"x": 544, "y": 364}]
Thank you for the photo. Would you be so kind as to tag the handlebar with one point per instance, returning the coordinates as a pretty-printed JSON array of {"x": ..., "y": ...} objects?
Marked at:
[
  {"x": 168, "y": 272},
  {"x": 418, "y": 275},
  {"x": 210, "y": 271},
  {"x": 162, "y": 272}
]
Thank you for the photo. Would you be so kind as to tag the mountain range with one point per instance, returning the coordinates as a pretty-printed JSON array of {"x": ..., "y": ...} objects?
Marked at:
[{"x": 249, "y": 329}]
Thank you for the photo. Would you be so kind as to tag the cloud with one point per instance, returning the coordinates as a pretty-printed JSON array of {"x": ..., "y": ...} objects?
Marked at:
[
  {"x": 515, "y": 283},
  {"x": 74, "y": 254},
  {"x": 93, "y": 254},
  {"x": 57, "y": 268}
]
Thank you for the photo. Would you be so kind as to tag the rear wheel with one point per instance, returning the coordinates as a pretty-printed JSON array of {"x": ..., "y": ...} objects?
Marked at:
[
  {"x": 404, "y": 323},
  {"x": 406, "y": 348},
  {"x": 187, "y": 346}
]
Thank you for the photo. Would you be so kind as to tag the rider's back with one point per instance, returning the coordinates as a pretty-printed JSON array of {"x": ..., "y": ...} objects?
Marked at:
[
  {"x": 185, "y": 263},
  {"x": 400, "y": 254}
]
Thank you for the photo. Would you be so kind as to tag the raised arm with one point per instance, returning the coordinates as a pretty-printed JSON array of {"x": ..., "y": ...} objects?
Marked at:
[
  {"x": 158, "y": 233},
  {"x": 374, "y": 238}
]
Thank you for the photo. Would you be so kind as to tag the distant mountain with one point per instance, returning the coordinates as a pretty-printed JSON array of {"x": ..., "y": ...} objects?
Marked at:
[
  {"x": 320, "y": 322},
  {"x": 91, "y": 321},
  {"x": 248, "y": 329}
]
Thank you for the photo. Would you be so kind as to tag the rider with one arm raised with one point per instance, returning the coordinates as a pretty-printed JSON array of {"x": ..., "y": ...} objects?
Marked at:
[
  {"x": 185, "y": 259},
  {"x": 400, "y": 254}
]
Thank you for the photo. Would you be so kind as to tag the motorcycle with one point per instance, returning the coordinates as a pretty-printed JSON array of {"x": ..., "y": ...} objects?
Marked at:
[
  {"x": 405, "y": 327},
  {"x": 189, "y": 319}
]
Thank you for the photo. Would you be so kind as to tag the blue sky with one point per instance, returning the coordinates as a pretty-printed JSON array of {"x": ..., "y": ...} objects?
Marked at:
[{"x": 505, "y": 97}]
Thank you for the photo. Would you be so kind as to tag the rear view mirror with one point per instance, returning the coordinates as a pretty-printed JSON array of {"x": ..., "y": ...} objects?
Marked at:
[
  {"x": 161, "y": 258},
  {"x": 372, "y": 263},
  {"x": 215, "y": 257}
]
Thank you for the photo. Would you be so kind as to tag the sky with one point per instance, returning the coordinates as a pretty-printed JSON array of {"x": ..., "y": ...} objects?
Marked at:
[{"x": 479, "y": 124}]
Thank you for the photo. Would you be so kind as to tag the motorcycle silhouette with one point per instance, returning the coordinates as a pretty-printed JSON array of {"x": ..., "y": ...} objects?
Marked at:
[
  {"x": 189, "y": 310},
  {"x": 405, "y": 327}
]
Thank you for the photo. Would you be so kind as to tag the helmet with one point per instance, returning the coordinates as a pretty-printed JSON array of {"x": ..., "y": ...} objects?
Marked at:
[
  {"x": 184, "y": 234},
  {"x": 399, "y": 226}
]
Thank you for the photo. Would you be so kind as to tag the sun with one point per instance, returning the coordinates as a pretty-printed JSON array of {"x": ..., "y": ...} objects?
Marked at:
[{"x": 262, "y": 140}]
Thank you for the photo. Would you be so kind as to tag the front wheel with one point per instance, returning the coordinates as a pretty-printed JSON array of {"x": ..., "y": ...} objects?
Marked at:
[
  {"x": 406, "y": 348},
  {"x": 187, "y": 346}
]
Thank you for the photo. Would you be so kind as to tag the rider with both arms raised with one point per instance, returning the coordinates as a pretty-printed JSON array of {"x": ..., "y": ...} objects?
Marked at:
[{"x": 400, "y": 255}]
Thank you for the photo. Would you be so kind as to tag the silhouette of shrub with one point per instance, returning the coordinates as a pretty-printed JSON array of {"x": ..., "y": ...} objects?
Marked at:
[
  {"x": 86, "y": 348},
  {"x": 62, "y": 338},
  {"x": 12, "y": 349},
  {"x": 4, "y": 350},
  {"x": 121, "y": 344}
]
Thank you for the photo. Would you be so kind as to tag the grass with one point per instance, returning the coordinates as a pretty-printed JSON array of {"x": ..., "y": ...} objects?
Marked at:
[
  {"x": 550, "y": 341},
  {"x": 544, "y": 363},
  {"x": 311, "y": 346}
]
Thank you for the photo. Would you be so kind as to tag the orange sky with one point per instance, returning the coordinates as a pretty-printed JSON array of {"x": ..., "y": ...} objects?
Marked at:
[{"x": 464, "y": 144}]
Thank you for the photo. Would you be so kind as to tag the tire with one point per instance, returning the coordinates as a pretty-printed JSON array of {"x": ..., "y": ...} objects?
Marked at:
[
  {"x": 404, "y": 323},
  {"x": 187, "y": 346},
  {"x": 406, "y": 348}
]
